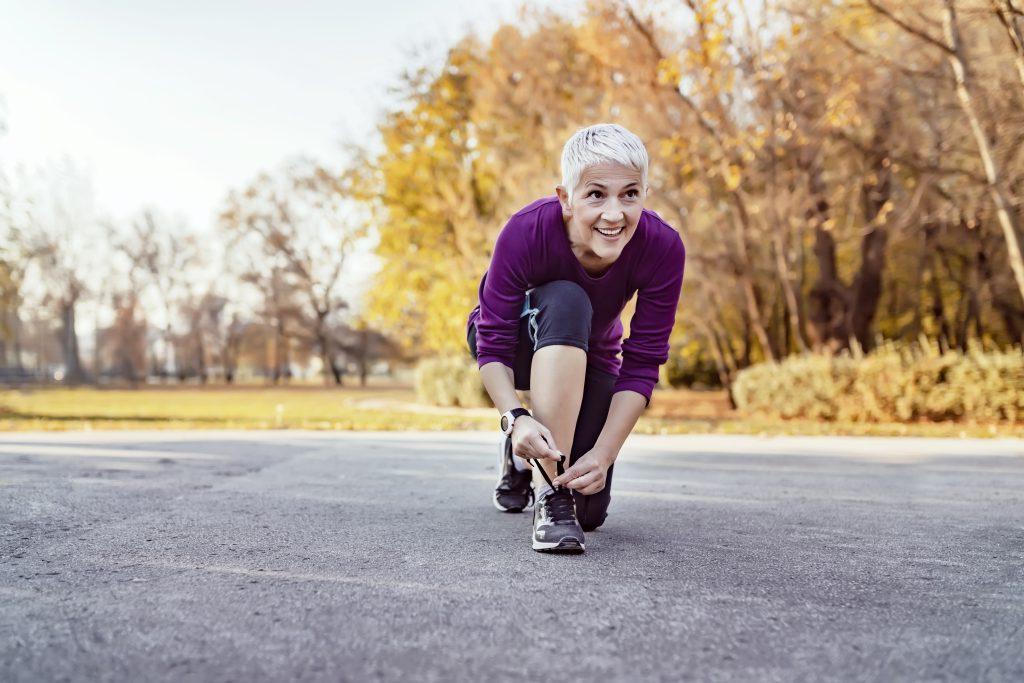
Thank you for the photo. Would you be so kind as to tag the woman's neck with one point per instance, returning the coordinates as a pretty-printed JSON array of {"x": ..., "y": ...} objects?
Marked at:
[{"x": 590, "y": 261}]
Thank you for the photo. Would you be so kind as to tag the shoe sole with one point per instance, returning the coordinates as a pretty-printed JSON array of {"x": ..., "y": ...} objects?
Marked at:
[
  {"x": 494, "y": 497},
  {"x": 566, "y": 546},
  {"x": 499, "y": 507}
]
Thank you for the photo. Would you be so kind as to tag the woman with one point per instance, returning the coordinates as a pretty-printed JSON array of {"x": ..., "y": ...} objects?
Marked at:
[{"x": 561, "y": 273}]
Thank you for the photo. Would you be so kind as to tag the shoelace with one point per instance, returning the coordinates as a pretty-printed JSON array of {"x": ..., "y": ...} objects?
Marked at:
[
  {"x": 561, "y": 507},
  {"x": 559, "y": 500},
  {"x": 558, "y": 468}
]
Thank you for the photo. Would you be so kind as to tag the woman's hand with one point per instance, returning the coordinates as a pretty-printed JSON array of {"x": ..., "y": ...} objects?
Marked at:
[
  {"x": 532, "y": 440},
  {"x": 588, "y": 474}
]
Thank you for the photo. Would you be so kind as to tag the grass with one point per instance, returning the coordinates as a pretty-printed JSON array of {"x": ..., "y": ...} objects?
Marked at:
[{"x": 386, "y": 407}]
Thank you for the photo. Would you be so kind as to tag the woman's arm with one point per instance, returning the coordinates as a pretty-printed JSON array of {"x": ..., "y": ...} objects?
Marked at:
[
  {"x": 625, "y": 410},
  {"x": 646, "y": 349},
  {"x": 500, "y": 385},
  {"x": 589, "y": 473},
  {"x": 530, "y": 439}
]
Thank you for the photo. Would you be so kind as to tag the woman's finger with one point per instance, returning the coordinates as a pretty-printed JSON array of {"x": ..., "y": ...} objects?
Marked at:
[
  {"x": 538, "y": 446},
  {"x": 550, "y": 439},
  {"x": 585, "y": 480},
  {"x": 549, "y": 444},
  {"x": 571, "y": 473},
  {"x": 544, "y": 449}
]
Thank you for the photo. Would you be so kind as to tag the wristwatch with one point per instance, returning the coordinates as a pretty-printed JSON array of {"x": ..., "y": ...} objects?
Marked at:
[{"x": 508, "y": 419}]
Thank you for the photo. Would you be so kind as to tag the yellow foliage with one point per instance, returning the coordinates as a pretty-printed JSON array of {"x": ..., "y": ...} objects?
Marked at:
[
  {"x": 450, "y": 380},
  {"x": 669, "y": 71},
  {"x": 784, "y": 121},
  {"x": 732, "y": 177},
  {"x": 471, "y": 143},
  {"x": 895, "y": 383}
]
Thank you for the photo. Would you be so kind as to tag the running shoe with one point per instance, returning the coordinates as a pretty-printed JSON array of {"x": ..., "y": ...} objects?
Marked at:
[
  {"x": 514, "y": 491},
  {"x": 555, "y": 528}
]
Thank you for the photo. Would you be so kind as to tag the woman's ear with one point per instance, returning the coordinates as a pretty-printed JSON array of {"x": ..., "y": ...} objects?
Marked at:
[{"x": 563, "y": 199}]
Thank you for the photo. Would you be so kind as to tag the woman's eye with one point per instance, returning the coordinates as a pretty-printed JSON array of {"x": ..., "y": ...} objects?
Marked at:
[
  {"x": 633, "y": 194},
  {"x": 594, "y": 193}
]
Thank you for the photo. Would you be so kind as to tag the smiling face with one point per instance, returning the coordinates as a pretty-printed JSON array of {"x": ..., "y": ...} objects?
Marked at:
[{"x": 603, "y": 214}]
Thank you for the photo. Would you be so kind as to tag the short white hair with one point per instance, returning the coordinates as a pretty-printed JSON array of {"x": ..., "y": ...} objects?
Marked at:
[{"x": 598, "y": 144}]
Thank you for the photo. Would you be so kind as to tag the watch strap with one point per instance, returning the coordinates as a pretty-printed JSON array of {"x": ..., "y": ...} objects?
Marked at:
[{"x": 513, "y": 415}]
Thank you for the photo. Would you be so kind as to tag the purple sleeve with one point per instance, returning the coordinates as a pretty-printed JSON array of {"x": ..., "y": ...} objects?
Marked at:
[
  {"x": 652, "y": 322},
  {"x": 501, "y": 299}
]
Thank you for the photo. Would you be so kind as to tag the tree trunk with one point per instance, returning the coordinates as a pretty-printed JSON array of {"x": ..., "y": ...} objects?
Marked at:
[
  {"x": 716, "y": 352},
  {"x": 1010, "y": 17},
  {"x": 73, "y": 373},
  {"x": 745, "y": 274},
  {"x": 793, "y": 331},
  {"x": 281, "y": 356},
  {"x": 227, "y": 360},
  {"x": 200, "y": 352},
  {"x": 97, "y": 369},
  {"x": 1013, "y": 319},
  {"x": 977, "y": 282},
  {"x": 876, "y": 191},
  {"x": 826, "y": 314},
  {"x": 938, "y": 306},
  {"x": 168, "y": 353},
  {"x": 327, "y": 371},
  {"x": 16, "y": 327},
  {"x": 364, "y": 352},
  {"x": 1004, "y": 210},
  {"x": 330, "y": 370}
]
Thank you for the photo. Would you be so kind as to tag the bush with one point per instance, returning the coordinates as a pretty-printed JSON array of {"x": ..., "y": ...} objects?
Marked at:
[
  {"x": 895, "y": 383},
  {"x": 450, "y": 381},
  {"x": 689, "y": 365}
]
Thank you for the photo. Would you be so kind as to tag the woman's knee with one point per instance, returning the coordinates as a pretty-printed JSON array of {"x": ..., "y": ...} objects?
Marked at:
[
  {"x": 565, "y": 313},
  {"x": 591, "y": 511},
  {"x": 565, "y": 295},
  {"x": 593, "y": 520}
]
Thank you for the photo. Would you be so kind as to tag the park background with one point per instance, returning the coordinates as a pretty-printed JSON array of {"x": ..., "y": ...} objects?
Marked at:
[{"x": 846, "y": 175}]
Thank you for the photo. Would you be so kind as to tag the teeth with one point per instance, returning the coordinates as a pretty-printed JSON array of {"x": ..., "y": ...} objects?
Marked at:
[{"x": 611, "y": 233}]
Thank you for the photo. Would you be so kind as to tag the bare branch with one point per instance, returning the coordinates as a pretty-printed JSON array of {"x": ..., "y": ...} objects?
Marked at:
[
  {"x": 648, "y": 34},
  {"x": 905, "y": 70},
  {"x": 920, "y": 33}
]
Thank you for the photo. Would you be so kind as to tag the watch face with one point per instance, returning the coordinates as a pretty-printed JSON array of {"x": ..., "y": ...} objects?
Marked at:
[{"x": 504, "y": 423}]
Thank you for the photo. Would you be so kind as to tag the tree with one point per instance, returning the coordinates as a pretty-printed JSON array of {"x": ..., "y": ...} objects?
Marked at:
[
  {"x": 954, "y": 49},
  {"x": 471, "y": 143},
  {"x": 164, "y": 260},
  {"x": 302, "y": 222},
  {"x": 13, "y": 263},
  {"x": 63, "y": 247}
]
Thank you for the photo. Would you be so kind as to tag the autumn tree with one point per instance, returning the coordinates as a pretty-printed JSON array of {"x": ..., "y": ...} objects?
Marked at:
[
  {"x": 13, "y": 263},
  {"x": 474, "y": 141},
  {"x": 304, "y": 225},
  {"x": 61, "y": 239},
  {"x": 952, "y": 45}
]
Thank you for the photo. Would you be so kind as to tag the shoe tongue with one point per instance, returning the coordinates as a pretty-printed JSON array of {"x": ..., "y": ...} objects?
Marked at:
[
  {"x": 560, "y": 502},
  {"x": 542, "y": 492}
]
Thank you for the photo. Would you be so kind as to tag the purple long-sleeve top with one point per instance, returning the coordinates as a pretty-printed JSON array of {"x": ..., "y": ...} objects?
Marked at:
[{"x": 533, "y": 249}]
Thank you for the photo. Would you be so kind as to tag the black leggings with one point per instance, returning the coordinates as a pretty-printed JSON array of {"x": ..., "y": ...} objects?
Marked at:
[{"x": 559, "y": 313}]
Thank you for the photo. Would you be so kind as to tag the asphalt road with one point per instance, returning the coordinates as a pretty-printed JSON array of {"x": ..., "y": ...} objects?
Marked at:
[{"x": 315, "y": 556}]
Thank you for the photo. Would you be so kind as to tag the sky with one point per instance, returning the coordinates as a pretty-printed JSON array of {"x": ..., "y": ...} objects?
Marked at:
[{"x": 172, "y": 104}]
